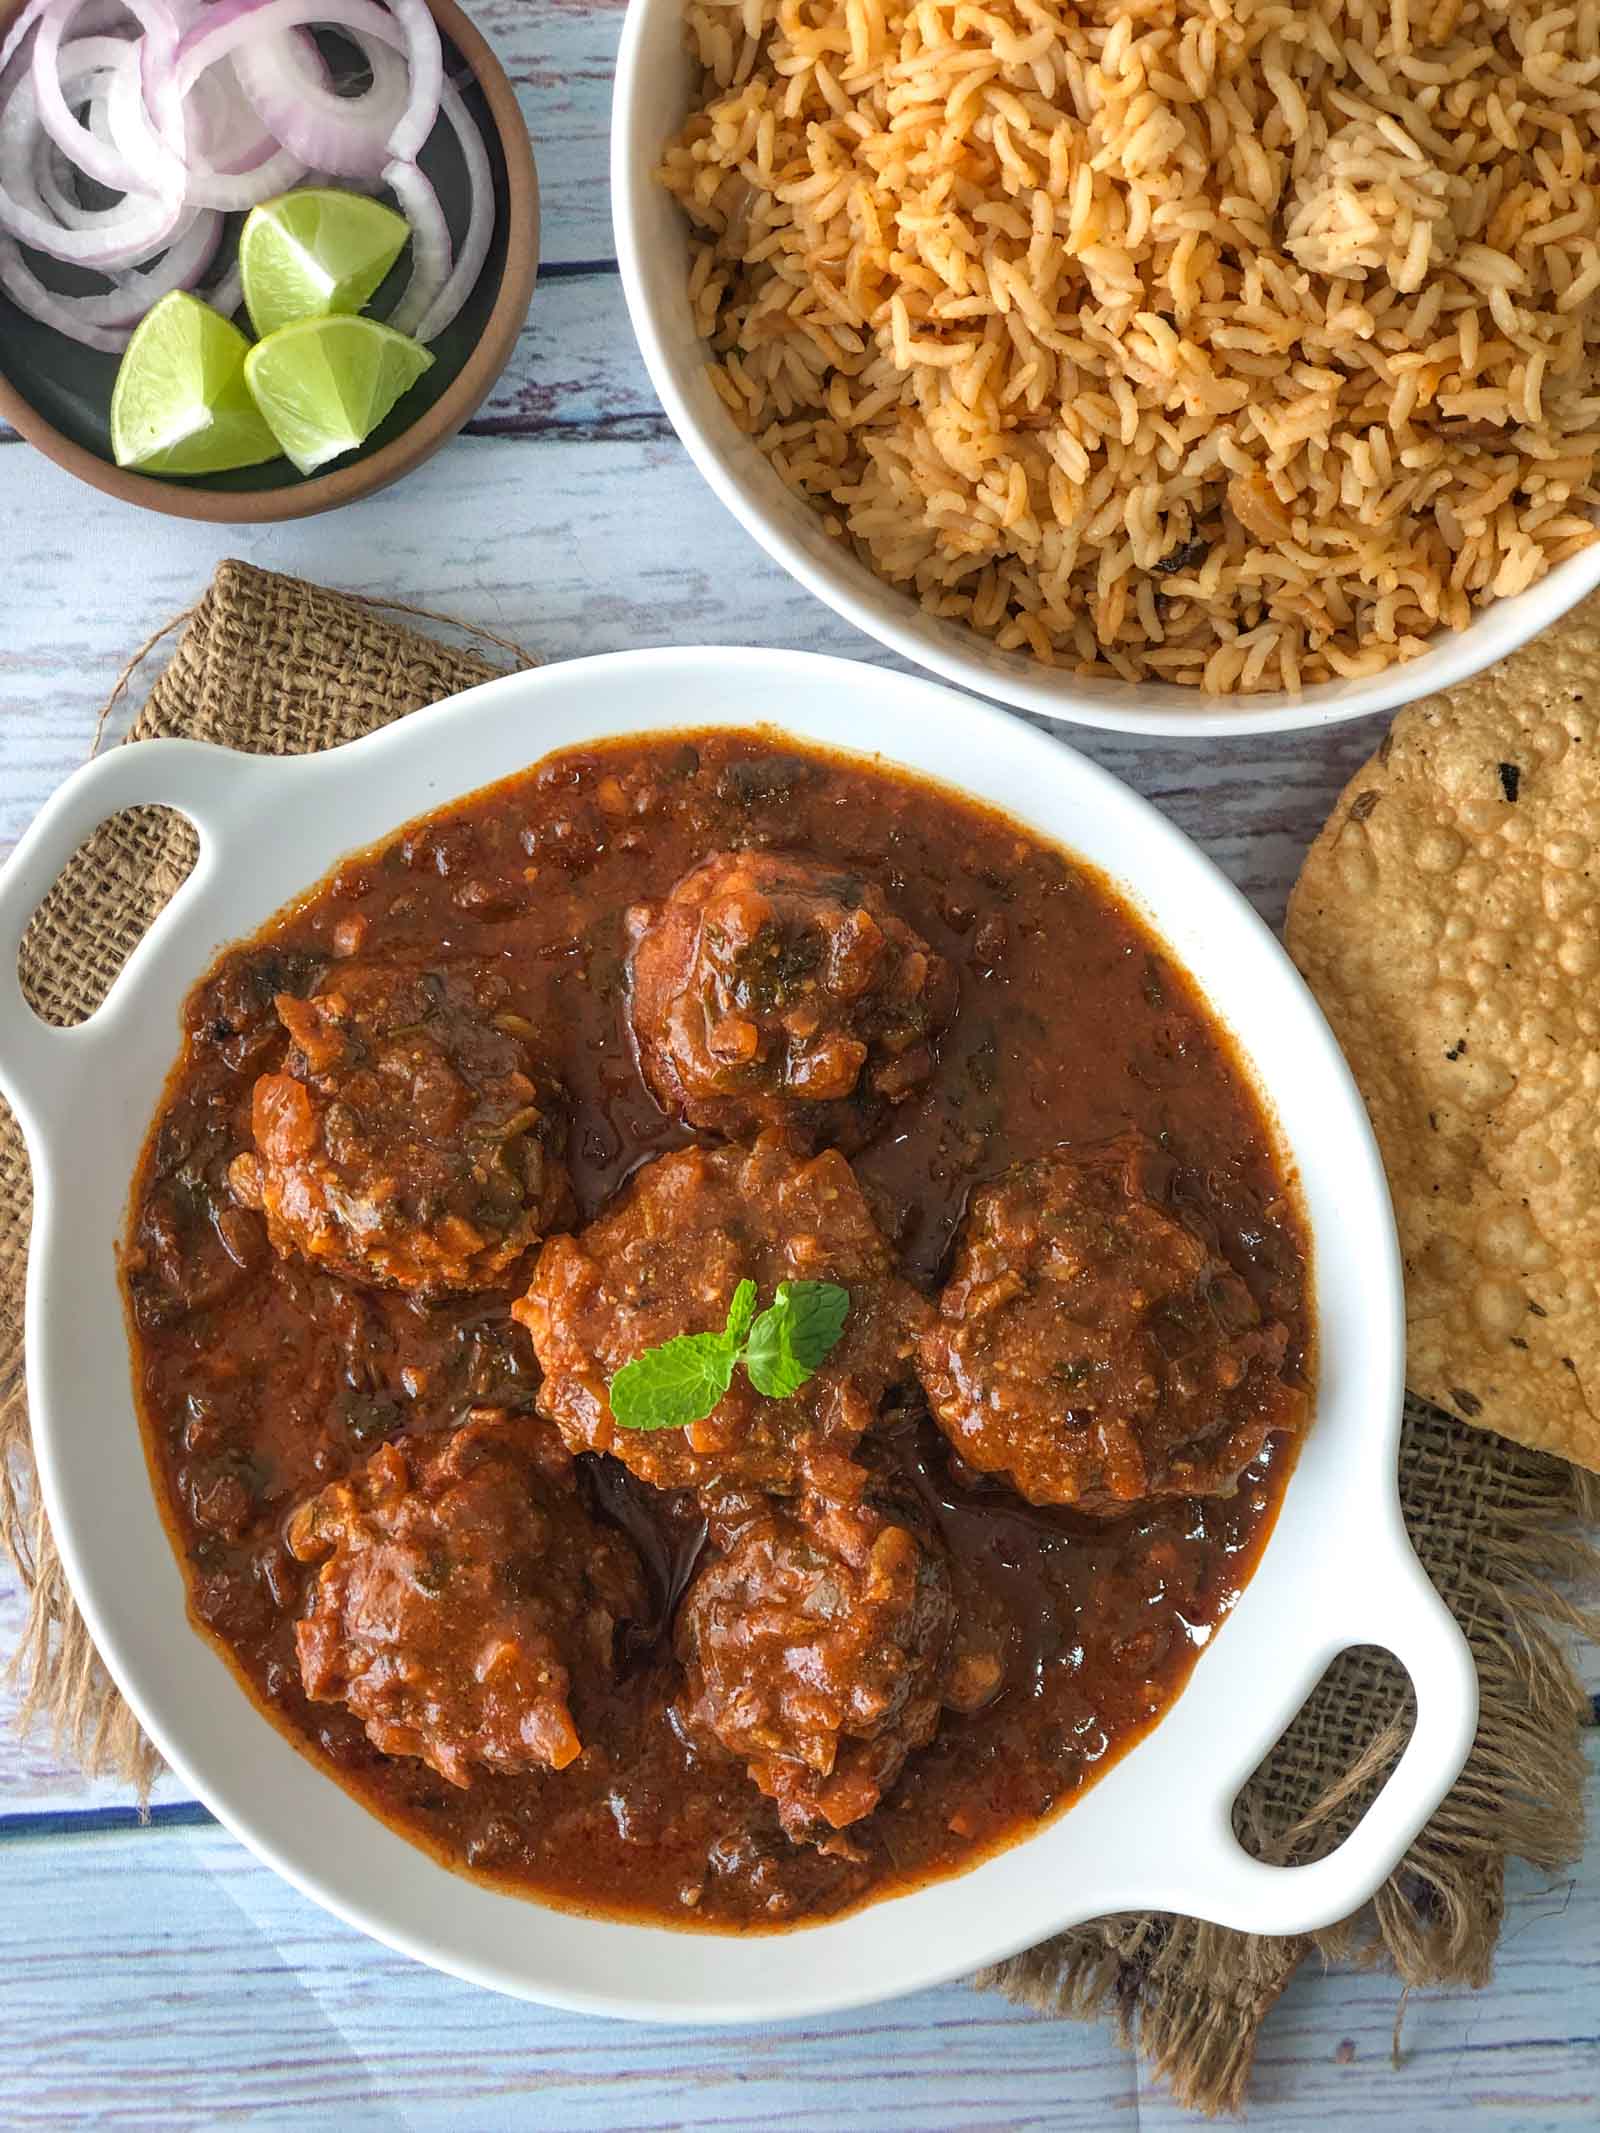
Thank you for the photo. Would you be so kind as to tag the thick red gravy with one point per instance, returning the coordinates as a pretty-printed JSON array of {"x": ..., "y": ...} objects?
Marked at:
[{"x": 261, "y": 1380}]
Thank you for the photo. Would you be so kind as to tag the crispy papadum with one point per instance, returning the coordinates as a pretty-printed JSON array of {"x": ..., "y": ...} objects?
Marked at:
[{"x": 1447, "y": 920}]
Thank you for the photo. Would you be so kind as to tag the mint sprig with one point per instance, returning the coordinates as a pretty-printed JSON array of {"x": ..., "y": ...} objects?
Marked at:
[
  {"x": 683, "y": 1379},
  {"x": 793, "y": 1334}
]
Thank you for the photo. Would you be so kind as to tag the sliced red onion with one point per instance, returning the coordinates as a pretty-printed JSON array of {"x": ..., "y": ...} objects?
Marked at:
[
  {"x": 95, "y": 117},
  {"x": 420, "y": 204},
  {"x": 430, "y": 245},
  {"x": 232, "y": 192},
  {"x": 87, "y": 69},
  {"x": 146, "y": 161},
  {"x": 406, "y": 25},
  {"x": 76, "y": 63},
  {"x": 110, "y": 18},
  {"x": 208, "y": 109},
  {"x": 158, "y": 59},
  {"x": 63, "y": 313},
  {"x": 133, "y": 131},
  {"x": 236, "y": 192},
  {"x": 228, "y": 294},
  {"x": 11, "y": 44},
  {"x": 228, "y": 133},
  {"x": 52, "y": 72},
  {"x": 223, "y": 30},
  {"x": 346, "y": 136},
  {"x": 53, "y": 175},
  {"x": 425, "y": 57},
  {"x": 121, "y": 307},
  {"x": 51, "y": 188},
  {"x": 134, "y": 230},
  {"x": 232, "y": 27},
  {"x": 181, "y": 266},
  {"x": 442, "y": 312},
  {"x": 106, "y": 320}
]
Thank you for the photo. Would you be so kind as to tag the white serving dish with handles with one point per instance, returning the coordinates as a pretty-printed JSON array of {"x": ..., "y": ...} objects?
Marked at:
[
  {"x": 1155, "y": 1831},
  {"x": 655, "y": 81}
]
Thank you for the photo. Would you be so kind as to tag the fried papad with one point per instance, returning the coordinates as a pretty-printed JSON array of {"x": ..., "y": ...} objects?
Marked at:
[{"x": 1447, "y": 919}]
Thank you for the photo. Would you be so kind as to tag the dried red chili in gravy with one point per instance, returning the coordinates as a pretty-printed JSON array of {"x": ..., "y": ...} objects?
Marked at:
[{"x": 263, "y": 1378}]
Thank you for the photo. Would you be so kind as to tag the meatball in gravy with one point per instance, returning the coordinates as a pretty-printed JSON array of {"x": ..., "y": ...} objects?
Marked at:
[
  {"x": 546, "y": 1082},
  {"x": 769, "y": 990},
  {"x": 1092, "y": 1345},
  {"x": 411, "y": 1139},
  {"x": 462, "y": 1586},
  {"x": 665, "y": 1258},
  {"x": 812, "y": 1650}
]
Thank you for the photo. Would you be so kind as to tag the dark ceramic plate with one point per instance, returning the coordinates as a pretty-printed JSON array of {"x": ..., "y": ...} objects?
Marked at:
[{"x": 58, "y": 393}]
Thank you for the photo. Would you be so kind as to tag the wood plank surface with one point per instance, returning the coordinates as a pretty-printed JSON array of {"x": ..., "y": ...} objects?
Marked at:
[
  {"x": 220, "y": 1996},
  {"x": 569, "y": 545},
  {"x": 574, "y": 544},
  {"x": 559, "y": 55},
  {"x": 157, "y": 1978}
]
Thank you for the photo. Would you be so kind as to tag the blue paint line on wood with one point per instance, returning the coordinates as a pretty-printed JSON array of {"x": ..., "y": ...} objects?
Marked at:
[
  {"x": 1469, "y": 2046},
  {"x": 574, "y": 269},
  {"x": 93, "y": 1821},
  {"x": 643, "y": 428}
]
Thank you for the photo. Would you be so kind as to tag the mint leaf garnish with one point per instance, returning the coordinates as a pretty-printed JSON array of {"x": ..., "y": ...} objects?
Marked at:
[
  {"x": 673, "y": 1385},
  {"x": 794, "y": 1335},
  {"x": 682, "y": 1380},
  {"x": 740, "y": 1312}
]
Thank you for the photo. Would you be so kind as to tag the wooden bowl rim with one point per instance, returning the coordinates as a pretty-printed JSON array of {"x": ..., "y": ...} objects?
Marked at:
[{"x": 456, "y": 405}]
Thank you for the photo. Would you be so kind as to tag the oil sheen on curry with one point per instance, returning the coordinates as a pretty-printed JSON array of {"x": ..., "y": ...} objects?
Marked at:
[{"x": 903, "y": 1183}]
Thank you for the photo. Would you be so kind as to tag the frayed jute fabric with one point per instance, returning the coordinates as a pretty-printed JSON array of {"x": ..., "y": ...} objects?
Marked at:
[{"x": 274, "y": 666}]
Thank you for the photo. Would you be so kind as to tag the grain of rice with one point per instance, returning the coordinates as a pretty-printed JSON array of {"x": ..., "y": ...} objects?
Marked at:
[{"x": 1027, "y": 298}]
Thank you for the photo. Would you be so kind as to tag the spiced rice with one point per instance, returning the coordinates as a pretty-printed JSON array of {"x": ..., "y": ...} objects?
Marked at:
[{"x": 1221, "y": 342}]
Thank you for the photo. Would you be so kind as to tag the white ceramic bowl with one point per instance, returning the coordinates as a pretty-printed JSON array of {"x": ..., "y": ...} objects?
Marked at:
[
  {"x": 1155, "y": 1831},
  {"x": 654, "y": 83}
]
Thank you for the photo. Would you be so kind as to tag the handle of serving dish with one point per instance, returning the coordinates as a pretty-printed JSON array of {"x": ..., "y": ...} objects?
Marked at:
[
  {"x": 1397, "y": 1608},
  {"x": 204, "y": 783}
]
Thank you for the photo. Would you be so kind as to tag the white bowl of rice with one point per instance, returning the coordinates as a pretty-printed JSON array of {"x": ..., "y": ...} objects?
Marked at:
[{"x": 1189, "y": 366}]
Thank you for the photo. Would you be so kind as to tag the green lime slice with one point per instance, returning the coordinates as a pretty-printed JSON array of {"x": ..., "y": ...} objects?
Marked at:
[
  {"x": 314, "y": 253},
  {"x": 325, "y": 384},
  {"x": 180, "y": 404}
]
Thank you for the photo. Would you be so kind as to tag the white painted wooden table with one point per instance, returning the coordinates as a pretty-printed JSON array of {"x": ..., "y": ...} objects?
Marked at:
[{"x": 156, "y": 1977}]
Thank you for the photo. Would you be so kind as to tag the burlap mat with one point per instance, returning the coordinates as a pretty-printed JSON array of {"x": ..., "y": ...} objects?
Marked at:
[{"x": 277, "y": 667}]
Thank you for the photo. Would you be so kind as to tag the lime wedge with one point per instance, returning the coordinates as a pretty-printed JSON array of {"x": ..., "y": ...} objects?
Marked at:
[
  {"x": 325, "y": 384},
  {"x": 313, "y": 253},
  {"x": 180, "y": 404}
]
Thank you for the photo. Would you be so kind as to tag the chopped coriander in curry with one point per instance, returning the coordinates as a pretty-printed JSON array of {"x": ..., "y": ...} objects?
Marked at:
[{"x": 716, "y": 1326}]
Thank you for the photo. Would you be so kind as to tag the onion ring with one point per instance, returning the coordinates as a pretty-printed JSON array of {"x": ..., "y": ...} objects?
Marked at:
[
  {"x": 430, "y": 245},
  {"x": 344, "y": 135},
  {"x": 63, "y": 313},
  {"x": 105, "y": 321},
  {"x": 426, "y": 57},
  {"x": 446, "y": 306},
  {"x": 49, "y": 82},
  {"x": 190, "y": 109},
  {"x": 134, "y": 231},
  {"x": 232, "y": 192}
]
